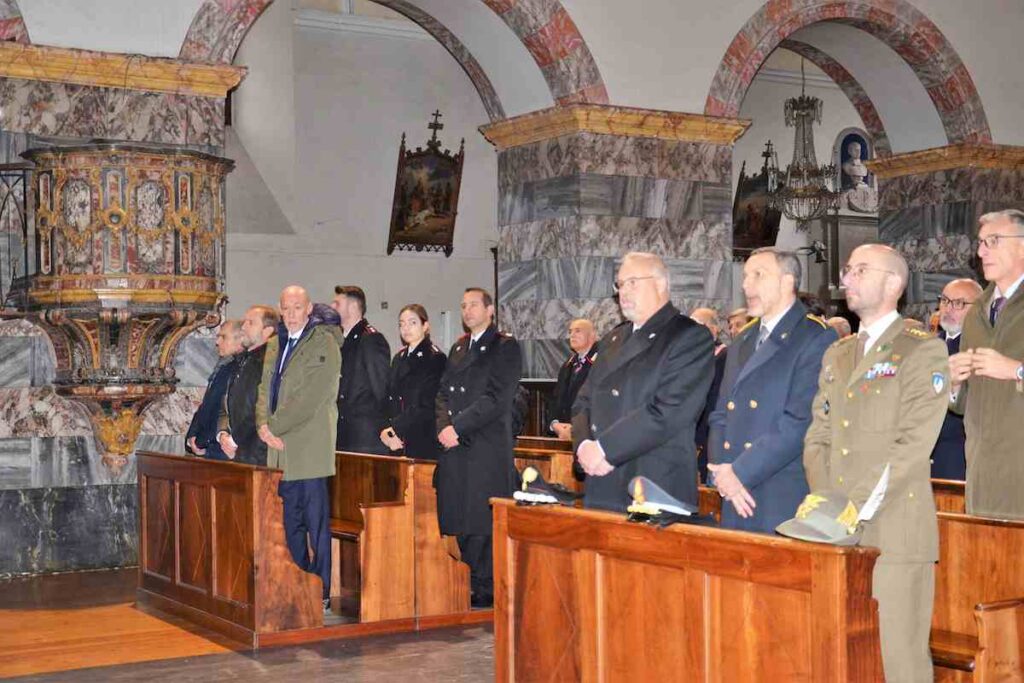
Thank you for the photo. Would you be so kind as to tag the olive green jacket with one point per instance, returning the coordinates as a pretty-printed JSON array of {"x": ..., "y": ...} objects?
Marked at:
[
  {"x": 993, "y": 413},
  {"x": 306, "y": 418},
  {"x": 887, "y": 407}
]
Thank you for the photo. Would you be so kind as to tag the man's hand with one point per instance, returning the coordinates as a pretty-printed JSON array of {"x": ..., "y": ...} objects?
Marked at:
[
  {"x": 726, "y": 481},
  {"x": 267, "y": 437},
  {"x": 960, "y": 368},
  {"x": 448, "y": 437},
  {"x": 991, "y": 363},
  {"x": 744, "y": 503},
  {"x": 227, "y": 444},
  {"x": 390, "y": 439},
  {"x": 195, "y": 449},
  {"x": 563, "y": 430},
  {"x": 592, "y": 459}
]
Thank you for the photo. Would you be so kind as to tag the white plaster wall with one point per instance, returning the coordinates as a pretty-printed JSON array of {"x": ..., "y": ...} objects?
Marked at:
[{"x": 354, "y": 95}]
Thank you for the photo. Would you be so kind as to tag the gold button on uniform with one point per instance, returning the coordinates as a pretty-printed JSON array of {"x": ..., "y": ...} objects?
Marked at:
[
  {"x": 753, "y": 403},
  {"x": 747, "y": 445},
  {"x": 849, "y": 394},
  {"x": 730, "y": 405},
  {"x": 845, "y": 451},
  {"x": 726, "y": 445},
  {"x": 846, "y": 423},
  {"x": 840, "y": 480}
]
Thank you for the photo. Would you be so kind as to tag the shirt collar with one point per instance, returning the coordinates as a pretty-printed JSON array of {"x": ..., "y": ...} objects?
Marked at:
[
  {"x": 770, "y": 323},
  {"x": 878, "y": 327},
  {"x": 1010, "y": 291}
]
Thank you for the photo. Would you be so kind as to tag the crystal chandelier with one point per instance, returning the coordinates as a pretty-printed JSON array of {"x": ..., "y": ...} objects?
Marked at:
[{"x": 805, "y": 191}]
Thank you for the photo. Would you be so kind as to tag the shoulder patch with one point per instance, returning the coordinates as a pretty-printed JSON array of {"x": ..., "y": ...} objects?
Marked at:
[
  {"x": 753, "y": 321},
  {"x": 818, "y": 319}
]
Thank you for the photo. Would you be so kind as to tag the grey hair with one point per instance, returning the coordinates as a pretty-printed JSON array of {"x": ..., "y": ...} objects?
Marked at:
[
  {"x": 1015, "y": 216},
  {"x": 787, "y": 261},
  {"x": 658, "y": 267}
]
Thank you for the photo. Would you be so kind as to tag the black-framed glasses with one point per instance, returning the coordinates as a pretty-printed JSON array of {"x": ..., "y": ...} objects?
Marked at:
[
  {"x": 992, "y": 241},
  {"x": 955, "y": 304},
  {"x": 858, "y": 271},
  {"x": 630, "y": 282}
]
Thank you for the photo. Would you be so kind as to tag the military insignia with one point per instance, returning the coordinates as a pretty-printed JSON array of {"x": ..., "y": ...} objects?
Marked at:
[
  {"x": 810, "y": 504},
  {"x": 920, "y": 334},
  {"x": 651, "y": 335},
  {"x": 614, "y": 337},
  {"x": 419, "y": 354},
  {"x": 817, "y": 319},
  {"x": 829, "y": 377},
  {"x": 896, "y": 357},
  {"x": 881, "y": 370},
  {"x": 458, "y": 348},
  {"x": 785, "y": 334},
  {"x": 938, "y": 382},
  {"x": 482, "y": 349},
  {"x": 826, "y": 407}
]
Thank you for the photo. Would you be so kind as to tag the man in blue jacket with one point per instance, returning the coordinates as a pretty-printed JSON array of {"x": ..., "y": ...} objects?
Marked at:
[
  {"x": 201, "y": 438},
  {"x": 764, "y": 404}
]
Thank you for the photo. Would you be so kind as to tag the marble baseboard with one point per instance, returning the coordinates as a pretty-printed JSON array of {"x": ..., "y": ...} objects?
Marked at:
[
  {"x": 613, "y": 236},
  {"x": 613, "y": 195},
  {"x": 592, "y": 153},
  {"x": 45, "y": 530}
]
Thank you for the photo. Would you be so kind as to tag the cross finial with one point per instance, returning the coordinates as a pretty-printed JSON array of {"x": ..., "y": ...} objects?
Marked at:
[{"x": 436, "y": 125}]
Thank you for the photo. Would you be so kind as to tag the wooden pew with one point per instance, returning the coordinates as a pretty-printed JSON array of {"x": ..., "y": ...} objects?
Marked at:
[
  {"x": 949, "y": 495},
  {"x": 212, "y": 548},
  {"x": 372, "y": 535},
  {"x": 552, "y": 457},
  {"x": 582, "y": 595},
  {"x": 442, "y": 580}
]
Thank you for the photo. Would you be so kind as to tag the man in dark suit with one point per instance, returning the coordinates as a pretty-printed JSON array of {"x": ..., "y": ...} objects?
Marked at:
[
  {"x": 363, "y": 389},
  {"x": 237, "y": 423},
  {"x": 764, "y": 406},
  {"x": 572, "y": 375},
  {"x": 474, "y": 420},
  {"x": 201, "y": 438},
  {"x": 948, "y": 458},
  {"x": 708, "y": 317},
  {"x": 637, "y": 412}
]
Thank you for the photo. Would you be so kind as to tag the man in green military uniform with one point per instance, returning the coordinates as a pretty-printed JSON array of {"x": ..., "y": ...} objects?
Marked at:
[{"x": 882, "y": 396}]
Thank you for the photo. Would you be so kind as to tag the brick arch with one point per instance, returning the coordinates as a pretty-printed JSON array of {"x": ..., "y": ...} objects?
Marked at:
[
  {"x": 895, "y": 22},
  {"x": 12, "y": 25},
  {"x": 851, "y": 88}
]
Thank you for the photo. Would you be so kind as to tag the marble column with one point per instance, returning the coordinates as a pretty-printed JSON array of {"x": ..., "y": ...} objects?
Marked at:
[
  {"x": 929, "y": 205},
  {"x": 580, "y": 186}
]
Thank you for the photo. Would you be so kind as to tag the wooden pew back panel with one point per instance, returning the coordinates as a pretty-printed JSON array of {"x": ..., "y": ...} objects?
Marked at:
[{"x": 362, "y": 479}]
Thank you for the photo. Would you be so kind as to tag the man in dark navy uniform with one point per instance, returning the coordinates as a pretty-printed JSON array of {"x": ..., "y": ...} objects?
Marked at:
[
  {"x": 638, "y": 410},
  {"x": 948, "y": 458},
  {"x": 363, "y": 389},
  {"x": 474, "y": 421},
  {"x": 572, "y": 375},
  {"x": 764, "y": 405}
]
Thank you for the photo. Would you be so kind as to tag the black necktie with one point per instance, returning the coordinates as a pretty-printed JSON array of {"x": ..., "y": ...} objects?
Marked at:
[
  {"x": 997, "y": 307},
  {"x": 287, "y": 352},
  {"x": 472, "y": 343}
]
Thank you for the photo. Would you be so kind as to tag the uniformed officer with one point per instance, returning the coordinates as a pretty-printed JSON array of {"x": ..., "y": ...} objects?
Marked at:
[
  {"x": 572, "y": 375},
  {"x": 412, "y": 388},
  {"x": 362, "y": 391},
  {"x": 881, "y": 399},
  {"x": 764, "y": 405},
  {"x": 474, "y": 420},
  {"x": 637, "y": 413}
]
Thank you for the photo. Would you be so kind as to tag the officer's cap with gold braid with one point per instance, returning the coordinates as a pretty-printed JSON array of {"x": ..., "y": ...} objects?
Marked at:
[{"x": 824, "y": 517}]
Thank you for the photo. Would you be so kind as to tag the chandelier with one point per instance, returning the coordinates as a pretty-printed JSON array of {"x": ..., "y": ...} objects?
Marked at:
[{"x": 805, "y": 191}]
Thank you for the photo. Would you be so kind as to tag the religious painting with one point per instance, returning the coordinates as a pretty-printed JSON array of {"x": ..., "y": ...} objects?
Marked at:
[
  {"x": 755, "y": 224},
  {"x": 426, "y": 196}
]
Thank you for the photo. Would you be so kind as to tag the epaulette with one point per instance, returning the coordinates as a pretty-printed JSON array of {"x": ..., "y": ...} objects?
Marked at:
[
  {"x": 506, "y": 334},
  {"x": 370, "y": 329},
  {"x": 818, "y": 319},
  {"x": 918, "y": 333},
  {"x": 436, "y": 350},
  {"x": 465, "y": 336},
  {"x": 753, "y": 321}
]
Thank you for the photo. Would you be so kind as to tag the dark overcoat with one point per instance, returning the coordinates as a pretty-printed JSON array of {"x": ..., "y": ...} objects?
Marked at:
[
  {"x": 412, "y": 392},
  {"x": 363, "y": 390}
]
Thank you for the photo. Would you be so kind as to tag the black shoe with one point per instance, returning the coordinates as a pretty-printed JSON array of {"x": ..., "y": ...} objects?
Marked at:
[
  {"x": 481, "y": 601},
  {"x": 327, "y": 605}
]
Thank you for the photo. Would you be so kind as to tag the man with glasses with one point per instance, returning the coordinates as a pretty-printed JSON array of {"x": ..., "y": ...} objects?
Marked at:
[
  {"x": 988, "y": 373},
  {"x": 948, "y": 460},
  {"x": 637, "y": 412},
  {"x": 882, "y": 395}
]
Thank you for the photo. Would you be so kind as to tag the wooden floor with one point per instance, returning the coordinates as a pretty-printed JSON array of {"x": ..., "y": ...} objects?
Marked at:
[{"x": 77, "y": 621}]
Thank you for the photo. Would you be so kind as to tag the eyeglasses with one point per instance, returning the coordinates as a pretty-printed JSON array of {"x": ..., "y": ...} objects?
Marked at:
[
  {"x": 630, "y": 282},
  {"x": 992, "y": 241},
  {"x": 857, "y": 272},
  {"x": 955, "y": 304}
]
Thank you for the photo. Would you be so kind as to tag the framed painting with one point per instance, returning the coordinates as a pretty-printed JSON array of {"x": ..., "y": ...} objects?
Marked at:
[{"x": 755, "y": 223}]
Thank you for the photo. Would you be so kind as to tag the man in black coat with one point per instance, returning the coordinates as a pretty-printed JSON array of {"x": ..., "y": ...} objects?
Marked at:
[
  {"x": 237, "y": 436},
  {"x": 201, "y": 438},
  {"x": 363, "y": 389},
  {"x": 708, "y": 317},
  {"x": 474, "y": 421},
  {"x": 949, "y": 460},
  {"x": 637, "y": 412},
  {"x": 572, "y": 375}
]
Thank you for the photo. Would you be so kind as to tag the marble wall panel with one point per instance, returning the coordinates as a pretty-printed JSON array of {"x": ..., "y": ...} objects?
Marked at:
[
  {"x": 172, "y": 414},
  {"x": 64, "y": 529},
  {"x": 16, "y": 366},
  {"x": 545, "y": 357},
  {"x": 197, "y": 356},
  {"x": 929, "y": 221},
  {"x": 517, "y": 280},
  {"x": 15, "y": 463},
  {"x": 549, "y": 319},
  {"x": 575, "y": 278},
  {"x": 38, "y": 411}
]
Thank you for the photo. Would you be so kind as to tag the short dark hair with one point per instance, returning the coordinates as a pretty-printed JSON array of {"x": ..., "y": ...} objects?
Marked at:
[
  {"x": 269, "y": 317},
  {"x": 484, "y": 294},
  {"x": 353, "y": 292},
  {"x": 418, "y": 309}
]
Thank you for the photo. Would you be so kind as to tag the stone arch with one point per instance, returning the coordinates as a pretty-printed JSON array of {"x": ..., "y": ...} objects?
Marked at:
[
  {"x": 912, "y": 35},
  {"x": 218, "y": 29},
  {"x": 850, "y": 87},
  {"x": 12, "y": 25}
]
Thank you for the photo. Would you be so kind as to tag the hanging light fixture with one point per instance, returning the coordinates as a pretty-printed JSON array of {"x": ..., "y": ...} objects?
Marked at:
[{"x": 805, "y": 191}]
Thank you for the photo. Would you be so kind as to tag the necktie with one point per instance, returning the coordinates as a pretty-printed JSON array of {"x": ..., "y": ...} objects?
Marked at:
[
  {"x": 997, "y": 307},
  {"x": 862, "y": 342},
  {"x": 472, "y": 343},
  {"x": 762, "y": 336},
  {"x": 577, "y": 363},
  {"x": 287, "y": 352}
]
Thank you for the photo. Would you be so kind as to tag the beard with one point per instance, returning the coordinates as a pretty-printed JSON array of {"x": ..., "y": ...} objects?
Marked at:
[{"x": 951, "y": 329}]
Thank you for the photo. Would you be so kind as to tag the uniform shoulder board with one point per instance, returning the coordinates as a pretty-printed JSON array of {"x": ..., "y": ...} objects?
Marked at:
[
  {"x": 847, "y": 338},
  {"x": 753, "y": 321},
  {"x": 370, "y": 329},
  {"x": 818, "y": 319},
  {"x": 918, "y": 333},
  {"x": 436, "y": 350},
  {"x": 506, "y": 334},
  {"x": 465, "y": 336}
]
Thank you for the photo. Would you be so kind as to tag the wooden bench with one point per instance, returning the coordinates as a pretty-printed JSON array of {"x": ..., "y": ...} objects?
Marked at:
[
  {"x": 552, "y": 458},
  {"x": 442, "y": 580},
  {"x": 372, "y": 535}
]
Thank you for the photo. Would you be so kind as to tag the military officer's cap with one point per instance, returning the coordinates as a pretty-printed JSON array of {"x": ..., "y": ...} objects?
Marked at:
[
  {"x": 824, "y": 517},
  {"x": 536, "y": 491},
  {"x": 650, "y": 499}
]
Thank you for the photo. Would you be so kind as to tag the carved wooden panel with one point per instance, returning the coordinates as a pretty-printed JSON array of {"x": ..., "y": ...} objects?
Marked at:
[
  {"x": 233, "y": 559},
  {"x": 194, "y": 537},
  {"x": 159, "y": 542}
]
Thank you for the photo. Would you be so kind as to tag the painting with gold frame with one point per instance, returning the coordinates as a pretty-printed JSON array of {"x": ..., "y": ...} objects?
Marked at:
[{"x": 426, "y": 196}]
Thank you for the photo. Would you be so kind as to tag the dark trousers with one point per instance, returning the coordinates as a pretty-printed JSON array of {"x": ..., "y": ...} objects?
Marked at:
[
  {"x": 307, "y": 525},
  {"x": 476, "y": 552}
]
